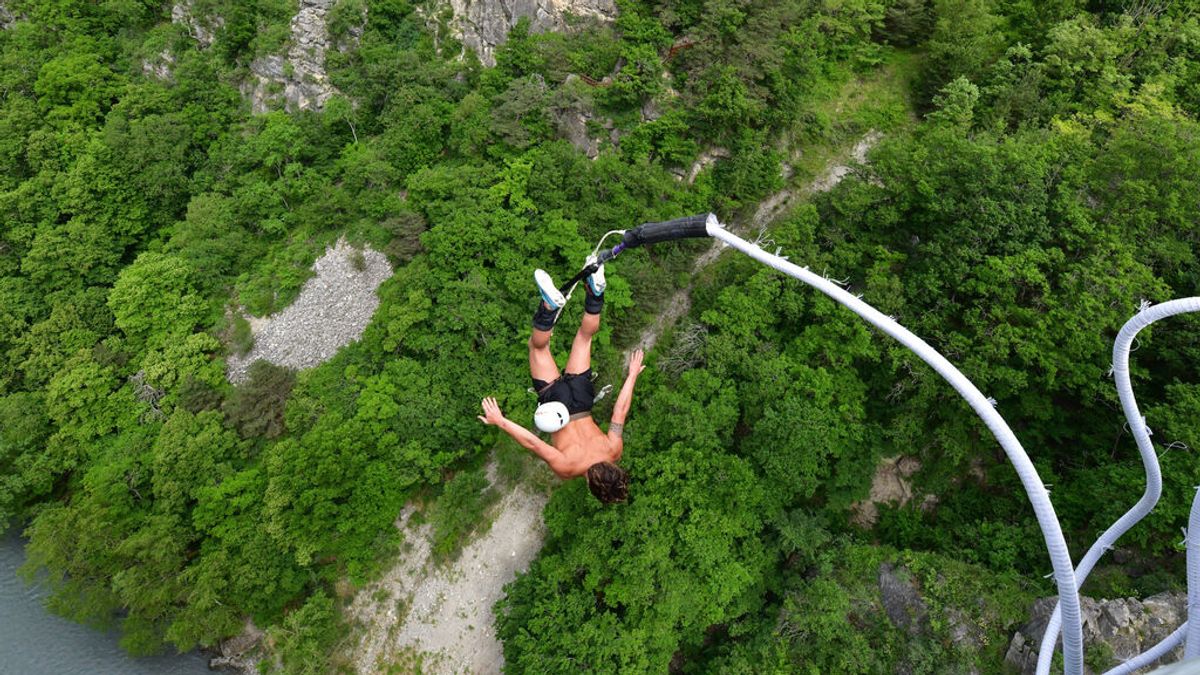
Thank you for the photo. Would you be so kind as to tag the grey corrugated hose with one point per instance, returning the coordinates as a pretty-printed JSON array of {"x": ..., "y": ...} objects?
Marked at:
[{"x": 1122, "y": 346}]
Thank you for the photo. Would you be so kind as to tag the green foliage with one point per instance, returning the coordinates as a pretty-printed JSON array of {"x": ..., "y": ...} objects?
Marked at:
[
  {"x": 907, "y": 22},
  {"x": 1048, "y": 188},
  {"x": 619, "y": 574},
  {"x": 246, "y": 29},
  {"x": 460, "y": 511},
  {"x": 966, "y": 39},
  {"x": 242, "y": 336},
  {"x": 955, "y": 105},
  {"x": 256, "y": 407},
  {"x": 23, "y": 429},
  {"x": 1099, "y": 657},
  {"x": 306, "y": 636},
  {"x": 76, "y": 88},
  {"x": 154, "y": 302},
  {"x": 191, "y": 452}
]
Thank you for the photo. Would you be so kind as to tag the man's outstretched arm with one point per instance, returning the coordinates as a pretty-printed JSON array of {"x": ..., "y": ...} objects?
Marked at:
[
  {"x": 624, "y": 400},
  {"x": 549, "y": 454}
]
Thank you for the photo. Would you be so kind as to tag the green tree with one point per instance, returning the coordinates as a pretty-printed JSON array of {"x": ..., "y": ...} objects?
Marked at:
[
  {"x": 256, "y": 407},
  {"x": 154, "y": 301},
  {"x": 966, "y": 40}
]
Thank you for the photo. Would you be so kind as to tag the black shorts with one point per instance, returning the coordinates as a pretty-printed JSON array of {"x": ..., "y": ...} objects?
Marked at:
[{"x": 572, "y": 390}]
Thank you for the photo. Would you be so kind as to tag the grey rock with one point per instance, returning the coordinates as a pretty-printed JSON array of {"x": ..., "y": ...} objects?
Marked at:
[
  {"x": 705, "y": 160},
  {"x": 890, "y": 485},
  {"x": 240, "y": 653},
  {"x": 297, "y": 79},
  {"x": 1128, "y": 626},
  {"x": 483, "y": 25},
  {"x": 159, "y": 68},
  {"x": 1020, "y": 656},
  {"x": 202, "y": 29},
  {"x": 572, "y": 111},
  {"x": 651, "y": 110},
  {"x": 573, "y": 125},
  {"x": 7, "y": 18},
  {"x": 901, "y": 598},
  {"x": 270, "y": 67},
  {"x": 965, "y": 632}
]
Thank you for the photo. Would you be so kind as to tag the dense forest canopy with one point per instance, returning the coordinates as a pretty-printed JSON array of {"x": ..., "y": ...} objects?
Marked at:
[{"x": 1036, "y": 180}]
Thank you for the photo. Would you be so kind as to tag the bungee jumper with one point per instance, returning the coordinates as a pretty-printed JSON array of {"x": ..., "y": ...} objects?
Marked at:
[{"x": 565, "y": 399}]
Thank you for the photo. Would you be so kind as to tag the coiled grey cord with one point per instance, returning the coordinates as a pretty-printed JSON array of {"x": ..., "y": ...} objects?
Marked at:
[{"x": 1122, "y": 346}]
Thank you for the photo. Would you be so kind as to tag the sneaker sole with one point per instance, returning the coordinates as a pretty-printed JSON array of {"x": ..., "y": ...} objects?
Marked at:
[{"x": 547, "y": 290}]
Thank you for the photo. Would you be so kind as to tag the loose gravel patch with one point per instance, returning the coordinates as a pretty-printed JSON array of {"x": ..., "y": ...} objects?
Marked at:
[{"x": 332, "y": 310}]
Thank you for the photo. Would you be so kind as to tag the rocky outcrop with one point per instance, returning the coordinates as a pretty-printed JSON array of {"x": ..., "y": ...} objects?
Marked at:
[
  {"x": 299, "y": 78},
  {"x": 332, "y": 310},
  {"x": 483, "y": 25},
  {"x": 901, "y": 598},
  {"x": 1126, "y": 626},
  {"x": 240, "y": 653},
  {"x": 706, "y": 159},
  {"x": 890, "y": 485},
  {"x": 160, "y": 67},
  {"x": 577, "y": 122},
  {"x": 7, "y": 18},
  {"x": 202, "y": 28},
  {"x": 440, "y": 617}
]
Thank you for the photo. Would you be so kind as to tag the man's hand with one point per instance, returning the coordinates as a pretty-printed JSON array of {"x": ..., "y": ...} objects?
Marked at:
[
  {"x": 635, "y": 363},
  {"x": 621, "y": 408},
  {"x": 549, "y": 454},
  {"x": 491, "y": 412}
]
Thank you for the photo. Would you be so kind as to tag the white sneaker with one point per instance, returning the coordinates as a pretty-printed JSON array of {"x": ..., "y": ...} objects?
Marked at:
[
  {"x": 595, "y": 280},
  {"x": 550, "y": 294}
]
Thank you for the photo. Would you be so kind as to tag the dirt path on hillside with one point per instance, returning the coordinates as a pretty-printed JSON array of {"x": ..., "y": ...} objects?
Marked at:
[
  {"x": 440, "y": 619},
  {"x": 768, "y": 211}
]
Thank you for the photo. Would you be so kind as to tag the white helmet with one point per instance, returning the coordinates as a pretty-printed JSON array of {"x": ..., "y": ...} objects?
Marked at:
[{"x": 551, "y": 416}]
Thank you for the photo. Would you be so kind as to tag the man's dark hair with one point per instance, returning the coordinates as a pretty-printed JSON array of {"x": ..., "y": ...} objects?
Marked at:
[{"x": 608, "y": 482}]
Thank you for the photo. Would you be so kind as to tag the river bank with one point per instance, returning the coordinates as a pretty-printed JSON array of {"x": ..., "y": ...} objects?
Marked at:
[{"x": 36, "y": 642}]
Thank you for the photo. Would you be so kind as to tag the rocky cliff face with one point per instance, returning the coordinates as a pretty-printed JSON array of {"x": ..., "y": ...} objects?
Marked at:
[
  {"x": 298, "y": 79},
  {"x": 240, "y": 653},
  {"x": 892, "y": 481},
  {"x": 202, "y": 28},
  {"x": 1127, "y": 627},
  {"x": 7, "y": 18},
  {"x": 482, "y": 25},
  {"x": 159, "y": 67}
]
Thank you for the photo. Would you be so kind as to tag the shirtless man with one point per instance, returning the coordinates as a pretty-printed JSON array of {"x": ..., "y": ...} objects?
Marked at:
[{"x": 565, "y": 401}]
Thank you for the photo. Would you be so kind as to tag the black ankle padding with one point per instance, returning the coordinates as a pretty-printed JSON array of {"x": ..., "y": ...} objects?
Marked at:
[
  {"x": 543, "y": 319},
  {"x": 592, "y": 304}
]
